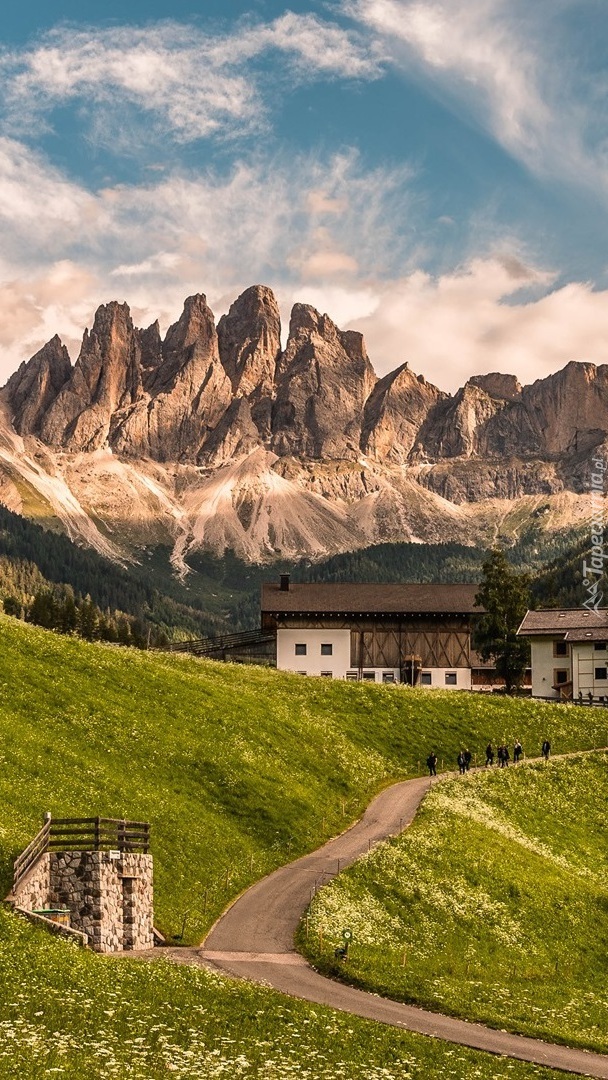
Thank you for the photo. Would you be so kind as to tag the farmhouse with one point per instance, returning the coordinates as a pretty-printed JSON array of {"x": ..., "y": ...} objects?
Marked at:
[
  {"x": 390, "y": 633},
  {"x": 569, "y": 653}
]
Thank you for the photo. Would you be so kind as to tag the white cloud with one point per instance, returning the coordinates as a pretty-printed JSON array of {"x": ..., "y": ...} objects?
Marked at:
[
  {"x": 280, "y": 221},
  {"x": 505, "y": 63},
  {"x": 195, "y": 85},
  {"x": 470, "y": 322}
]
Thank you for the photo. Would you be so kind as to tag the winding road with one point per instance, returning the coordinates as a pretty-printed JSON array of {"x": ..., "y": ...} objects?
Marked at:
[{"x": 254, "y": 939}]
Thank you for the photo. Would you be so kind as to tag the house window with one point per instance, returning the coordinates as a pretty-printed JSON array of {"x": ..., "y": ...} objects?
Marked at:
[
  {"x": 600, "y": 646},
  {"x": 450, "y": 678},
  {"x": 369, "y": 676},
  {"x": 600, "y": 673},
  {"x": 352, "y": 676},
  {"x": 388, "y": 677},
  {"x": 327, "y": 650},
  {"x": 426, "y": 678},
  {"x": 560, "y": 675},
  {"x": 327, "y": 674},
  {"x": 301, "y": 650},
  {"x": 302, "y": 673},
  {"x": 560, "y": 648}
]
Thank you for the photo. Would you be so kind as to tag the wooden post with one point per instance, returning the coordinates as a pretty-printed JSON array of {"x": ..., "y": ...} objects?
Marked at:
[{"x": 97, "y": 836}]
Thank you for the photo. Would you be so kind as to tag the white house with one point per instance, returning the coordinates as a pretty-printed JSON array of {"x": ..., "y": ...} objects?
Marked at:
[
  {"x": 419, "y": 634},
  {"x": 569, "y": 653}
]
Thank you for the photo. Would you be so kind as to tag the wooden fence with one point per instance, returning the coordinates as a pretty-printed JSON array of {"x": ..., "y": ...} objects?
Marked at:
[{"x": 82, "y": 834}]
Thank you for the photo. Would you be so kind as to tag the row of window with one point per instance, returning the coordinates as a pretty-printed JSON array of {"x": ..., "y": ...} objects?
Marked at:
[
  {"x": 561, "y": 675},
  {"x": 562, "y": 648},
  {"x": 326, "y": 650},
  {"x": 426, "y": 677}
]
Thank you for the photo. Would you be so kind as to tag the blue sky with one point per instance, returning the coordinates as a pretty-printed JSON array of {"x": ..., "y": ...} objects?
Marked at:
[{"x": 431, "y": 172}]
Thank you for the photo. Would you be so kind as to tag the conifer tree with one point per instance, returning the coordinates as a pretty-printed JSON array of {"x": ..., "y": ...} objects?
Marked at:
[{"x": 505, "y": 595}]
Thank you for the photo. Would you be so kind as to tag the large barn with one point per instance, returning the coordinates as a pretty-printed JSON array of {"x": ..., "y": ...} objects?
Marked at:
[{"x": 390, "y": 633}]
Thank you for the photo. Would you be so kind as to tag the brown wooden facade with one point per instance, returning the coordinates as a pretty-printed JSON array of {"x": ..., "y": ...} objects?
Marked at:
[{"x": 384, "y": 642}]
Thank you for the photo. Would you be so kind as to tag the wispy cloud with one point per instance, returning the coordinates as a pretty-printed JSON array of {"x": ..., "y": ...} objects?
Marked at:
[
  {"x": 195, "y": 85},
  {"x": 282, "y": 220},
  {"x": 506, "y": 64}
]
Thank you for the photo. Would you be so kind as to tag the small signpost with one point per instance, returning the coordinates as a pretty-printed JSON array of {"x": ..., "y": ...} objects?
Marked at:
[{"x": 341, "y": 953}]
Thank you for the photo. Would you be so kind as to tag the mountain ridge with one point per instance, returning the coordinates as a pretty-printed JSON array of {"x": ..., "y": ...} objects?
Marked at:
[{"x": 218, "y": 438}]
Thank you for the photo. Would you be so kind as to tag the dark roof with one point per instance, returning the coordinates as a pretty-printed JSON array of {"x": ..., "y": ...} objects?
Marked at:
[
  {"x": 366, "y": 598},
  {"x": 566, "y": 622},
  {"x": 594, "y": 633}
]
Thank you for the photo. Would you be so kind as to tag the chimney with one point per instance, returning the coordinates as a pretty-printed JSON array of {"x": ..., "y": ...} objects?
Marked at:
[{"x": 284, "y": 586}]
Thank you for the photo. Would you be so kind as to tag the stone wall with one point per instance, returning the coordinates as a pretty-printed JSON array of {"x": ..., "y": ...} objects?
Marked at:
[
  {"x": 109, "y": 899},
  {"x": 33, "y": 892}
]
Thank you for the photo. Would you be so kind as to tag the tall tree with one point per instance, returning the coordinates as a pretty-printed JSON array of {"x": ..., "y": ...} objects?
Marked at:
[{"x": 505, "y": 595}]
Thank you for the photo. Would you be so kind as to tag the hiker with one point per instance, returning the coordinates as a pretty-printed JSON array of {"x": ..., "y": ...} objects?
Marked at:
[
  {"x": 432, "y": 763},
  {"x": 489, "y": 754},
  {"x": 546, "y": 749},
  {"x": 506, "y": 757},
  {"x": 467, "y": 759},
  {"x": 462, "y": 768},
  {"x": 517, "y": 751}
]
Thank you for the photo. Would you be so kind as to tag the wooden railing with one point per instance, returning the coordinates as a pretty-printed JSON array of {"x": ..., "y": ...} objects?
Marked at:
[
  {"x": 82, "y": 834},
  {"x": 222, "y": 643}
]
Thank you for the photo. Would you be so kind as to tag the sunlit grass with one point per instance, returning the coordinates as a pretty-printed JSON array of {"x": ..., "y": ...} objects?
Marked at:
[
  {"x": 492, "y": 906},
  {"x": 70, "y": 1014}
]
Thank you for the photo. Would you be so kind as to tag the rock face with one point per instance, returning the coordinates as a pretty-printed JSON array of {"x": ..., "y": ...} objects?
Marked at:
[
  {"x": 323, "y": 380},
  {"x": 291, "y": 450},
  {"x": 33, "y": 388},
  {"x": 187, "y": 394},
  {"x": 105, "y": 378},
  {"x": 394, "y": 414}
]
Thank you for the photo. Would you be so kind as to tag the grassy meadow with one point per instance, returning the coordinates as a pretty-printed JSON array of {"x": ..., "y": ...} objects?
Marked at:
[
  {"x": 72, "y": 1015},
  {"x": 492, "y": 906},
  {"x": 238, "y": 769}
]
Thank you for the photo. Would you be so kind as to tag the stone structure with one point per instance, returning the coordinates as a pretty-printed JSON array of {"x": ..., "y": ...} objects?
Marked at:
[{"x": 109, "y": 898}]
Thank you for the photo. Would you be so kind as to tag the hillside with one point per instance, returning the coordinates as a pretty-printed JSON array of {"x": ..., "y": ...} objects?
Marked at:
[
  {"x": 237, "y": 769},
  {"x": 491, "y": 906},
  {"x": 221, "y": 594}
]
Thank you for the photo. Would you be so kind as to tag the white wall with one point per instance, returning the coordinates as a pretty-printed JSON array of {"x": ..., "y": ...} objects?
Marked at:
[
  {"x": 314, "y": 663},
  {"x": 585, "y": 659},
  {"x": 463, "y": 678},
  {"x": 544, "y": 664}
]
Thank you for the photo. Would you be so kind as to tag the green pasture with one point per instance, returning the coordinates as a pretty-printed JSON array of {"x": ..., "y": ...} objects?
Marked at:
[
  {"x": 238, "y": 769},
  {"x": 492, "y": 906}
]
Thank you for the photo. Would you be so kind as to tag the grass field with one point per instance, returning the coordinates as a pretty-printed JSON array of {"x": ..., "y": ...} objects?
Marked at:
[
  {"x": 69, "y": 1014},
  {"x": 238, "y": 769},
  {"x": 492, "y": 906}
]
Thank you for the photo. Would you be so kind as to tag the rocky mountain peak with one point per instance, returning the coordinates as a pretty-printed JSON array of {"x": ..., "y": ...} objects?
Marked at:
[
  {"x": 106, "y": 377},
  {"x": 250, "y": 342},
  {"x": 394, "y": 414},
  {"x": 496, "y": 385},
  {"x": 36, "y": 384},
  {"x": 323, "y": 381}
]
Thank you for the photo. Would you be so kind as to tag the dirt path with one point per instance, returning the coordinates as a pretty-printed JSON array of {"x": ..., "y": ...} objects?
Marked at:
[{"x": 254, "y": 939}]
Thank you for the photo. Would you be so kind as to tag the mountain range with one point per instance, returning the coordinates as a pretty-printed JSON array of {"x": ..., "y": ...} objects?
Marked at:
[{"x": 218, "y": 438}]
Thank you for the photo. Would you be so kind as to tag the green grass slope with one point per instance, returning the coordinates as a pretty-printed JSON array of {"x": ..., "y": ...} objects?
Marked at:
[
  {"x": 492, "y": 906},
  {"x": 72, "y": 1015},
  {"x": 237, "y": 768}
]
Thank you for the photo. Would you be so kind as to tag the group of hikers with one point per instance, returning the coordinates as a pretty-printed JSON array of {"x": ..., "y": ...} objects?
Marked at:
[{"x": 503, "y": 756}]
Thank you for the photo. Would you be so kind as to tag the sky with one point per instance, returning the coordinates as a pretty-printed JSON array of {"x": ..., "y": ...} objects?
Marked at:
[{"x": 431, "y": 172}]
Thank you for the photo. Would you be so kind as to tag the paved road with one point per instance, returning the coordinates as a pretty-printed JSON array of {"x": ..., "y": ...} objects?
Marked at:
[{"x": 253, "y": 939}]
